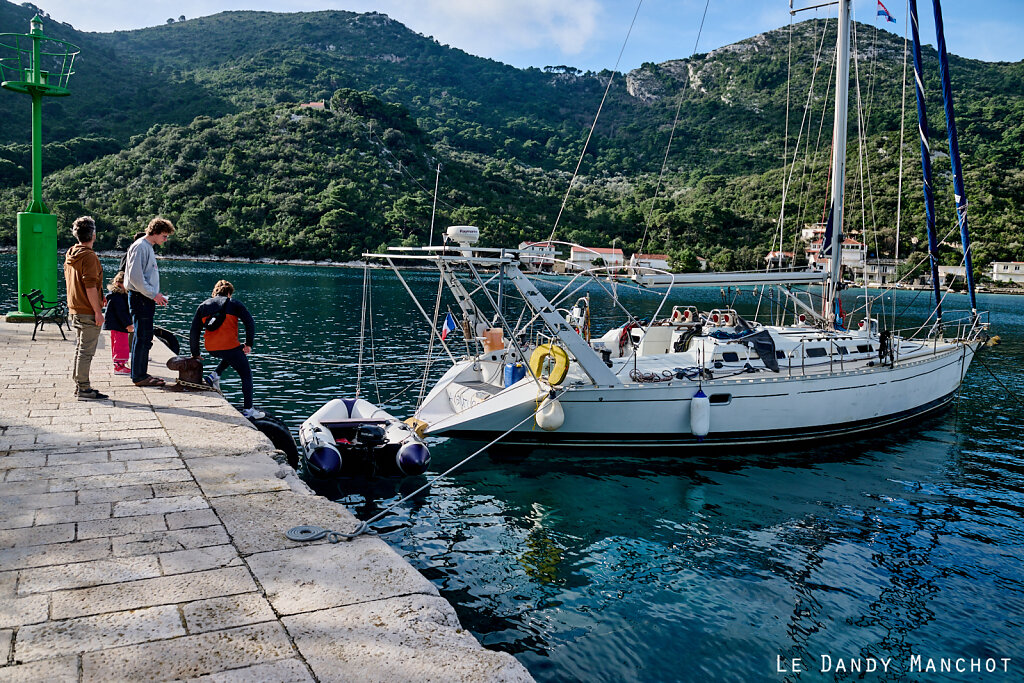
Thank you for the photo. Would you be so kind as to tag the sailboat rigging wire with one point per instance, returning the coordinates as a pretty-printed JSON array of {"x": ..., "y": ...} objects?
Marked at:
[
  {"x": 615, "y": 301},
  {"x": 785, "y": 155},
  {"x": 864, "y": 166},
  {"x": 433, "y": 211},
  {"x": 788, "y": 180},
  {"x": 433, "y": 329},
  {"x": 373, "y": 346},
  {"x": 593, "y": 126},
  {"x": 903, "y": 122},
  {"x": 805, "y": 174},
  {"x": 430, "y": 344},
  {"x": 672, "y": 133},
  {"x": 401, "y": 166},
  {"x": 362, "y": 330},
  {"x": 504, "y": 324}
]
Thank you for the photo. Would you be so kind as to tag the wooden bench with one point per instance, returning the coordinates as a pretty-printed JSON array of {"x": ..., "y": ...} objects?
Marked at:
[{"x": 47, "y": 312}]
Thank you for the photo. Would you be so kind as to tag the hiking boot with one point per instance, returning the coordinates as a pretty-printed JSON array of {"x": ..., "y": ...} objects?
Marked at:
[
  {"x": 212, "y": 379},
  {"x": 253, "y": 413},
  {"x": 90, "y": 394}
]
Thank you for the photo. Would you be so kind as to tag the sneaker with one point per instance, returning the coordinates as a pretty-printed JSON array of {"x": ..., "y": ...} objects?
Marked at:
[
  {"x": 253, "y": 413},
  {"x": 122, "y": 370},
  {"x": 90, "y": 394},
  {"x": 212, "y": 379}
]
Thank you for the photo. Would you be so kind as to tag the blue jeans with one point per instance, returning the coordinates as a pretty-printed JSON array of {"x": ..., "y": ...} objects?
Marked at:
[
  {"x": 237, "y": 359},
  {"x": 143, "y": 309}
]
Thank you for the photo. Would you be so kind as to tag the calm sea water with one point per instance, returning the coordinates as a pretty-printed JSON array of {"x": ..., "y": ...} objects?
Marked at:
[{"x": 636, "y": 567}]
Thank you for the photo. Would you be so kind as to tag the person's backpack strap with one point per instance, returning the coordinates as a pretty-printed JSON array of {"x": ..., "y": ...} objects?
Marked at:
[{"x": 218, "y": 317}]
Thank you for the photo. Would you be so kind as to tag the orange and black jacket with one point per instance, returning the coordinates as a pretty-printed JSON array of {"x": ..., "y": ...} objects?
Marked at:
[{"x": 218, "y": 317}]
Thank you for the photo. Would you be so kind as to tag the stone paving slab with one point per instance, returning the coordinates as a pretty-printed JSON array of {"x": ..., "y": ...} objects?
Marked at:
[
  {"x": 358, "y": 644},
  {"x": 281, "y": 671},
  {"x": 335, "y": 574},
  {"x": 55, "y": 670},
  {"x": 90, "y": 634},
  {"x": 85, "y": 574},
  {"x": 142, "y": 538},
  {"x": 189, "y": 656},
  {"x": 258, "y": 522}
]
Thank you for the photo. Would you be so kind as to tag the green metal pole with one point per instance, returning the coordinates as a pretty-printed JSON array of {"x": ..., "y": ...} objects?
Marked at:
[
  {"x": 37, "y": 205},
  {"x": 37, "y": 228}
]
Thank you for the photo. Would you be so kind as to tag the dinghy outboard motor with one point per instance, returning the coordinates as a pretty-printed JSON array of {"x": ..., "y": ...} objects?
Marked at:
[
  {"x": 370, "y": 436},
  {"x": 413, "y": 458}
]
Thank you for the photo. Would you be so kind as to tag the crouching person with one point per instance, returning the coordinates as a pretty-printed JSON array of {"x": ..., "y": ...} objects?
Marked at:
[{"x": 217, "y": 318}]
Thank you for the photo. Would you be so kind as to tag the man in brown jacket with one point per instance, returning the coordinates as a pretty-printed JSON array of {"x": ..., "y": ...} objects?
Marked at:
[{"x": 83, "y": 275}]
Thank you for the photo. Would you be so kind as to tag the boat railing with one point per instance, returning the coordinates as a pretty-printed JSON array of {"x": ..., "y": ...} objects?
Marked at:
[{"x": 955, "y": 326}]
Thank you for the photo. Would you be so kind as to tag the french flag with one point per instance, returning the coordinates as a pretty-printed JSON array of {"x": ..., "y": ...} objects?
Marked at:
[
  {"x": 449, "y": 325},
  {"x": 883, "y": 12}
]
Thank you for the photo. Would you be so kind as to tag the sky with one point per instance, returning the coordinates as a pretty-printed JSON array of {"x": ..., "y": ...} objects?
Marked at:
[{"x": 587, "y": 34}]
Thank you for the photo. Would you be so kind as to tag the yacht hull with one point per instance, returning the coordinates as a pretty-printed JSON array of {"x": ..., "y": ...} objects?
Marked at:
[{"x": 759, "y": 409}]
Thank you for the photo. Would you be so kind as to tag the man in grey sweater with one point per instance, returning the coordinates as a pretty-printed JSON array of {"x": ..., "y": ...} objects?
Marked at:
[{"x": 142, "y": 280}]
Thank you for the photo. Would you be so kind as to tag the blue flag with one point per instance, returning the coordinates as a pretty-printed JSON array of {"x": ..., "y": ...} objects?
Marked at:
[
  {"x": 883, "y": 12},
  {"x": 449, "y": 325}
]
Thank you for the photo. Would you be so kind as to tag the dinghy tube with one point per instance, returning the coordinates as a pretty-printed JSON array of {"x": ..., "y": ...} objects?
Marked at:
[{"x": 348, "y": 436}]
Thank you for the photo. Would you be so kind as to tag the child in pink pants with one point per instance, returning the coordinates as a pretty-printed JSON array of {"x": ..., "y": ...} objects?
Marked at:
[{"x": 117, "y": 319}]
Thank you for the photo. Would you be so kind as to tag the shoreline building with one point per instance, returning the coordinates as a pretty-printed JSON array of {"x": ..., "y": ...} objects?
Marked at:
[
  {"x": 1008, "y": 271},
  {"x": 539, "y": 257},
  {"x": 583, "y": 258}
]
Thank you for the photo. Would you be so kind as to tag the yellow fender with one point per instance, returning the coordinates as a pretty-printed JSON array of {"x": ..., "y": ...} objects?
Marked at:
[{"x": 560, "y": 357}]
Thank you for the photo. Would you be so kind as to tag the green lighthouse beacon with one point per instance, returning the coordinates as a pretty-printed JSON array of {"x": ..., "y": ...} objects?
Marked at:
[{"x": 38, "y": 66}]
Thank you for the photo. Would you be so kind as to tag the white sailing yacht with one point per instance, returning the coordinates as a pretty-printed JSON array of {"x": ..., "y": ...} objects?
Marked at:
[{"x": 687, "y": 377}]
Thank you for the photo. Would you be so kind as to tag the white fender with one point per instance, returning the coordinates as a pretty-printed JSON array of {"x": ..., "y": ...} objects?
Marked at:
[
  {"x": 700, "y": 415},
  {"x": 550, "y": 415}
]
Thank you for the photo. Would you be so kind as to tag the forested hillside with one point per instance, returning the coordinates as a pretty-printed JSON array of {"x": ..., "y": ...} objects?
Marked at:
[{"x": 199, "y": 121}]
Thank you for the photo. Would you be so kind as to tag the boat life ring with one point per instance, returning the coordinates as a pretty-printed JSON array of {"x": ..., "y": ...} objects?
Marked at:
[{"x": 560, "y": 358}]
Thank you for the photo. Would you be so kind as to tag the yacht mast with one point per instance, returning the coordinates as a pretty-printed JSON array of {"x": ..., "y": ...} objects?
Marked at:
[{"x": 839, "y": 159}]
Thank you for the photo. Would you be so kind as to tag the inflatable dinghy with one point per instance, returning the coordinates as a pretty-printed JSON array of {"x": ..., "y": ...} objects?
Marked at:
[{"x": 347, "y": 434}]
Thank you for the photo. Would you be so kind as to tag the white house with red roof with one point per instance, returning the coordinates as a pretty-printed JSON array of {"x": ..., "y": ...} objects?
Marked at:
[
  {"x": 649, "y": 261},
  {"x": 582, "y": 258},
  {"x": 780, "y": 259},
  {"x": 854, "y": 255},
  {"x": 538, "y": 256}
]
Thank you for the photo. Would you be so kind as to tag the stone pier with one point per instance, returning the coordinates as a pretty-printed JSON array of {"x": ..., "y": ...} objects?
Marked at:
[{"x": 142, "y": 538}]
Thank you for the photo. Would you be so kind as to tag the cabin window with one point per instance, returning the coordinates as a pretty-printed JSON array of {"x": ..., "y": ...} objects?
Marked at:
[
  {"x": 781, "y": 355},
  {"x": 731, "y": 357},
  {"x": 842, "y": 350},
  {"x": 816, "y": 352},
  {"x": 719, "y": 399},
  {"x": 864, "y": 348}
]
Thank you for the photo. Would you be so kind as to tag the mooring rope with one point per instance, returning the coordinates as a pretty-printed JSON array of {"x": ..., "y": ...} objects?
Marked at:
[
  {"x": 1009, "y": 392},
  {"x": 314, "y": 533},
  {"x": 287, "y": 359}
]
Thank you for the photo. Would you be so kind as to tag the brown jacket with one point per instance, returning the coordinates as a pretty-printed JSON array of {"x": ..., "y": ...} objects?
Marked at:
[{"x": 82, "y": 272}]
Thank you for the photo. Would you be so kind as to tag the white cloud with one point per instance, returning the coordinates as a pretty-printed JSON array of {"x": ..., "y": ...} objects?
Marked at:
[{"x": 498, "y": 27}]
